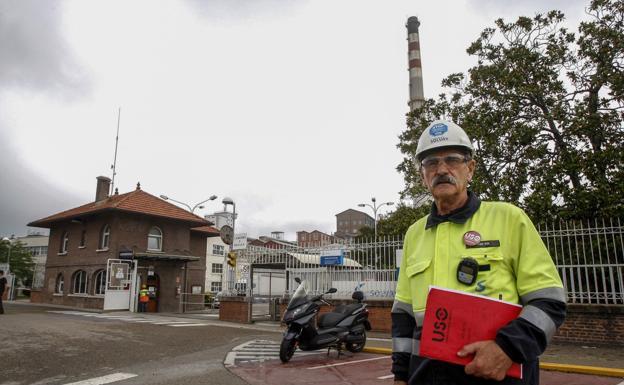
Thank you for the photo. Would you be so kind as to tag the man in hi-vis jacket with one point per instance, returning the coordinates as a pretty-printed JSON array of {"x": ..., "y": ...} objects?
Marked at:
[{"x": 500, "y": 255}]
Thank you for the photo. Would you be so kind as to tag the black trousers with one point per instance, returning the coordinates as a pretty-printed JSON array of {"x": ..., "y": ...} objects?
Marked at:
[
  {"x": 431, "y": 372},
  {"x": 1, "y": 308}
]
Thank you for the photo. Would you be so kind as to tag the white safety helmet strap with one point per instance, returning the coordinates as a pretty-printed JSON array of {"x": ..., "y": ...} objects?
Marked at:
[{"x": 440, "y": 134}]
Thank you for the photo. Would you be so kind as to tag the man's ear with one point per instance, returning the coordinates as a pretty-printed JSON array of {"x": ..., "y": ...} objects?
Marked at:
[{"x": 472, "y": 164}]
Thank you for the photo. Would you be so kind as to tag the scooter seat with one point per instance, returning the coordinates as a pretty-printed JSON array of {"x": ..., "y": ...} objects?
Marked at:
[{"x": 333, "y": 318}]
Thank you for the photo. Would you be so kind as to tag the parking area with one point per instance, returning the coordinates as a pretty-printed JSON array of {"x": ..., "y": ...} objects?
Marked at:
[{"x": 257, "y": 363}]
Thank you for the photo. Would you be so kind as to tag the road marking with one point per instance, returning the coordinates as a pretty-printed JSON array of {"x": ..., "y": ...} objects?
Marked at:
[
  {"x": 184, "y": 325},
  {"x": 379, "y": 339},
  {"x": 385, "y": 377},
  {"x": 259, "y": 351},
  {"x": 348, "y": 363},
  {"x": 104, "y": 379}
]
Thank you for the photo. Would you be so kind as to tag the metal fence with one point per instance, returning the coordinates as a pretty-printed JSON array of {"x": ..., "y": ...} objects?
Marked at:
[
  {"x": 365, "y": 265},
  {"x": 589, "y": 257}
]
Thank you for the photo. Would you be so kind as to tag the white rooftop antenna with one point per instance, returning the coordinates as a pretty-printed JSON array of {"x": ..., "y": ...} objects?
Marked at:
[{"x": 114, "y": 166}]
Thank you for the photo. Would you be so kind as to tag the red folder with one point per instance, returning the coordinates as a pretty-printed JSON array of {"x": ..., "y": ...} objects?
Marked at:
[{"x": 454, "y": 319}]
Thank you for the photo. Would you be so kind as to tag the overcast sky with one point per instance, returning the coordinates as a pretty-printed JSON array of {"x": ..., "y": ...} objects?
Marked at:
[{"x": 292, "y": 108}]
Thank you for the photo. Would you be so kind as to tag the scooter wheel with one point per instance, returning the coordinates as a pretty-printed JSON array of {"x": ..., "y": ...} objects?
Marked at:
[
  {"x": 354, "y": 347},
  {"x": 287, "y": 349}
]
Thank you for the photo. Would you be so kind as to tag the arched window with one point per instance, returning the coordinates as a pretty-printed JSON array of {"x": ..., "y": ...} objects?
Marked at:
[
  {"x": 154, "y": 239},
  {"x": 99, "y": 282},
  {"x": 104, "y": 237},
  {"x": 79, "y": 282},
  {"x": 60, "y": 284},
  {"x": 64, "y": 242}
]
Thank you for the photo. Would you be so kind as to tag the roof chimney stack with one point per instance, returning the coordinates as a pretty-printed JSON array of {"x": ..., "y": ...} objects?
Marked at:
[{"x": 103, "y": 188}]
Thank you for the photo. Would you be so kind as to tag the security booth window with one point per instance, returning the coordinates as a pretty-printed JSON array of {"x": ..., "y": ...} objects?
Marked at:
[
  {"x": 99, "y": 283},
  {"x": 105, "y": 237},
  {"x": 64, "y": 242},
  {"x": 154, "y": 239},
  {"x": 79, "y": 283},
  {"x": 60, "y": 283}
]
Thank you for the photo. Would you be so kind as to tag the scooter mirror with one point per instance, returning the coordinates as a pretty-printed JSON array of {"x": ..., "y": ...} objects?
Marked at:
[
  {"x": 297, "y": 279},
  {"x": 332, "y": 290}
]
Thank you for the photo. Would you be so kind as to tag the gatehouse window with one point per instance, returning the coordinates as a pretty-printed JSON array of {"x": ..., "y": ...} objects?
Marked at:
[
  {"x": 154, "y": 239},
  {"x": 105, "y": 237},
  {"x": 79, "y": 282},
  {"x": 60, "y": 283},
  {"x": 83, "y": 238},
  {"x": 99, "y": 282},
  {"x": 64, "y": 242},
  {"x": 215, "y": 287}
]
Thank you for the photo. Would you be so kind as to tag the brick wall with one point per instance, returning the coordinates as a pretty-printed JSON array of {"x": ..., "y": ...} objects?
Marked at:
[
  {"x": 234, "y": 309},
  {"x": 593, "y": 324}
]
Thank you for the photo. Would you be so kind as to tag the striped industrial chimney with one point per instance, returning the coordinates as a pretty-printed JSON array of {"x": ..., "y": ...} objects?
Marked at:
[{"x": 417, "y": 95}]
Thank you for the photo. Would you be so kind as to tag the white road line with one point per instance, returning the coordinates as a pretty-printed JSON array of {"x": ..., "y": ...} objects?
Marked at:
[
  {"x": 184, "y": 325},
  {"x": 104, "y": 379},
  {"x": 348, "y": 363},
  {"x": 171, "y": 322},
  {"x": 385, "y": 377},
  {"x": 621, "y": 383},
  {"x": 379, "y": 339}
]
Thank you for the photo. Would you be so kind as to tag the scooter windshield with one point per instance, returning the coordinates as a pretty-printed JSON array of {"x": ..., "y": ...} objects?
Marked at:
[{"x": 300, "y": 296}]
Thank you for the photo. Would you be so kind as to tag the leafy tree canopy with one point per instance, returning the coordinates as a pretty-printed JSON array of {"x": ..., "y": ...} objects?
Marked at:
[
  {"x": 21, "y": 262},
  {"x": 544, "y": 108}
]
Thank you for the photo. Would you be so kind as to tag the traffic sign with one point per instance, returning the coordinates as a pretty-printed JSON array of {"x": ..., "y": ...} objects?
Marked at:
[
  {"x": 240, "y": 241},
  {"x": 227, "y": 234},
  {"x": 332, "y": 257}
]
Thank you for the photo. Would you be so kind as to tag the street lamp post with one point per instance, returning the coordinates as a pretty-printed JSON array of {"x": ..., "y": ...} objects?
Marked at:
[
  {"x": 230, "y": 276},
  {"x": 375, "y": 207},
  {"x": 10, "y": 295},
  {"x": 8, "y": 255},
  {"x": 192, "y": 210}
]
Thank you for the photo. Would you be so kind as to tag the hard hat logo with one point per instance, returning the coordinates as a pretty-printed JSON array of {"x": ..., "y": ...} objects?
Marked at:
[
  {"x": 438, "y": 129},
  {"x": 440, "y": 134}
]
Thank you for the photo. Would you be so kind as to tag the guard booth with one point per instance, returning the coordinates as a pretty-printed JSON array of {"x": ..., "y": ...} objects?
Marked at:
[
  {"x": 121, "y": 286},
  {"x": 268, "y": 284}
]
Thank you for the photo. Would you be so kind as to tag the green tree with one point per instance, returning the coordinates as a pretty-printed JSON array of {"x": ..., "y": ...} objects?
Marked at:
[
  {"x": 544, "y": 108},
  {"x": 21, "y": 262},
  {"x": 395, "y": 223}
]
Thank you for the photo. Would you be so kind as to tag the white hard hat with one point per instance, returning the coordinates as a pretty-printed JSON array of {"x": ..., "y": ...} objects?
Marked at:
[{"x": 440, "y": 134}]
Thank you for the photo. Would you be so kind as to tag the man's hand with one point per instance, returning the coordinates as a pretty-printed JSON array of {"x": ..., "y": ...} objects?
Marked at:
[{"x": 490, "y": 361}]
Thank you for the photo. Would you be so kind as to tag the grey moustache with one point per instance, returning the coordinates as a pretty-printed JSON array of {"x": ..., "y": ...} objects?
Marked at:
[{"x": 444, "y": 179}]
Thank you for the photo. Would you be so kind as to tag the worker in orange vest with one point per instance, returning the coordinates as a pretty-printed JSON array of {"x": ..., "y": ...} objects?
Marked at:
[{"x": 143, "y": 299}]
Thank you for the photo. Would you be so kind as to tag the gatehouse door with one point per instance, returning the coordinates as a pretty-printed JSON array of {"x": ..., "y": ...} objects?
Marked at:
[{"x": 121, "y": 281}]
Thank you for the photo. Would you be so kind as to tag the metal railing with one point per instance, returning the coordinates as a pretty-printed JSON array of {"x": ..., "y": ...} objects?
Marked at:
[{"x": 589, "y": 257}]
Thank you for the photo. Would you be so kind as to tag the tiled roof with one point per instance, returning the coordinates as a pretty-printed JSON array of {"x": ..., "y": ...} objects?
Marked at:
[
  {"x": 137, "y": 201},
  {"x": 211, "y": 231}
]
